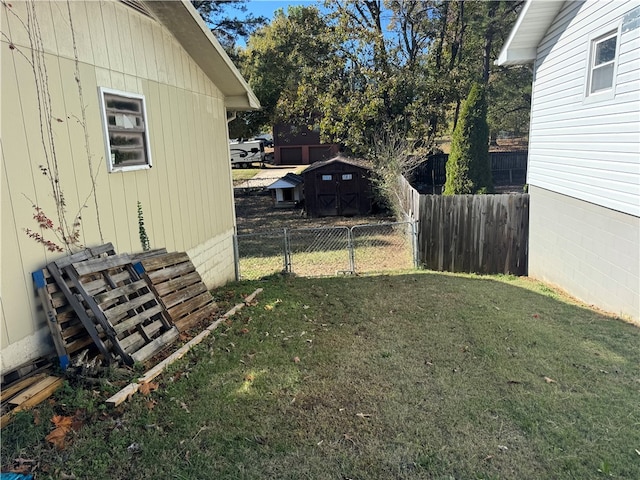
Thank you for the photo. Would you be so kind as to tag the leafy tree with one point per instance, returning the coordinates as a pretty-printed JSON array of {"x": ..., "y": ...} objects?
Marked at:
[
  {"x": 468, "y": 167},
  {"x": 290, "y": 64},
  {"x": 510, "y": 95},
  {"x": 225, "y": 27}
]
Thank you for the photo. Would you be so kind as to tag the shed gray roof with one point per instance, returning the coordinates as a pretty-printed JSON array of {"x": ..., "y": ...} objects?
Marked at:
[
  {"x": 288, "y": 181},
  {"x": 357, "y": 162}
]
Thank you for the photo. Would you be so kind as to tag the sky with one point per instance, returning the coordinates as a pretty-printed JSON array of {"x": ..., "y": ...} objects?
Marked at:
[{"x": 267, "y": 8}]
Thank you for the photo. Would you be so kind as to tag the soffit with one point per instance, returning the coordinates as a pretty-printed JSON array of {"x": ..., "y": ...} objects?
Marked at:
[
  {"x": 184, "y": 22},
  {"x": 535, "y": 19}
]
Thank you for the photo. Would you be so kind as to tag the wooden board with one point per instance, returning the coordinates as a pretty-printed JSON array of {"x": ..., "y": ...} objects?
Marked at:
[
  {"x": 174, "y": 279},
  {"x": 35, "y": 392}
]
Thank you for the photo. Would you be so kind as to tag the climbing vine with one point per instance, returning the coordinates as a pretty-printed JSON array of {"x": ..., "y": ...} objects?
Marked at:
[
  {"x": 144, "y": 238},
  {"x": 64, "y": 226}
]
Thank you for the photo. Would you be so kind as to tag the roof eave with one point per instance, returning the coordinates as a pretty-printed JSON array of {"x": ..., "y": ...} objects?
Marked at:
[
  {"x": 533, "y": 22},
  {"x": 196, "y": 38}
]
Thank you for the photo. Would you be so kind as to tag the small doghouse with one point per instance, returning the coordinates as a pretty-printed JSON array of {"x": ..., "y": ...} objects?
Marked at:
[
  {"x": 287, "y": 191},
  {"x": 338, "y": 186}
]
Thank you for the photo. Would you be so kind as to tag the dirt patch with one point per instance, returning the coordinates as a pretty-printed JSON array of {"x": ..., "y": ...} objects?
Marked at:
[{"x": 256, "y": 212}]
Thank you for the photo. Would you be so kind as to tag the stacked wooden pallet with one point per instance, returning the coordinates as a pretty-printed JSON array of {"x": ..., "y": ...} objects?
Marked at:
[
  {"x": 123, "y": 309},
  {"x": 179, "y": 287},
  {"x": 111, "y": 308}
]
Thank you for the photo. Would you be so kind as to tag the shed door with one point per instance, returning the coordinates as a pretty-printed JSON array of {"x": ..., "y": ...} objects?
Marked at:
[
  {"x": 348, "y": 194},
  {"x": 337, "y": 194},
  {"x": 326, "y": 189}
]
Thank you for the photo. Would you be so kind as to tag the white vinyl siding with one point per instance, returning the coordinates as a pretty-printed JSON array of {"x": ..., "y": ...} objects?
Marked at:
[{"x": 587, "y": 148}]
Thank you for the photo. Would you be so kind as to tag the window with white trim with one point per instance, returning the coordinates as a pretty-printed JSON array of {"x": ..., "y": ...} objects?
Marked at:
[
  {"x": 124, "y": 121},
  {"x": 602, "y": 63}
]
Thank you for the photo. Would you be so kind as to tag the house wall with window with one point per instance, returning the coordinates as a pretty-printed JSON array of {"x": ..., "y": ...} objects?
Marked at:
[
  {"x": 584, "y": 120},
  {"x": 584, "y": 148},
  {"x": 155, "y": 138}
]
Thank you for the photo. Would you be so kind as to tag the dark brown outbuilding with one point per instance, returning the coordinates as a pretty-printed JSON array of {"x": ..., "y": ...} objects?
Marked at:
[{"x": 338, "y": 186}]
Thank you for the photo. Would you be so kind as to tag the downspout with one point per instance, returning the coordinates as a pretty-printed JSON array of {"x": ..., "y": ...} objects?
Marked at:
[{"x": 231, "y": 116}]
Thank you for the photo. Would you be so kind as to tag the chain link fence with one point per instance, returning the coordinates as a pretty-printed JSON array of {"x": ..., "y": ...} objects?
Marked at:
[{"x": 315, "y": 252}]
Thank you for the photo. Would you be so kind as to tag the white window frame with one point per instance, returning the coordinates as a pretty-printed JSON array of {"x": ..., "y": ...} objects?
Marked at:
[
  {"x": 110, "y": 152},
  {"x": 594, "y": 41}
]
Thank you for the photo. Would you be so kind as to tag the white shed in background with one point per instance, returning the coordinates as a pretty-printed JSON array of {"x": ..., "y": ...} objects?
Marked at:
[{"x": 288, "y": 190}]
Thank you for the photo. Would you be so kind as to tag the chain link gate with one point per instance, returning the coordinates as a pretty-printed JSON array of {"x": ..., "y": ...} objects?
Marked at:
[{"x": 315, "y": 252}]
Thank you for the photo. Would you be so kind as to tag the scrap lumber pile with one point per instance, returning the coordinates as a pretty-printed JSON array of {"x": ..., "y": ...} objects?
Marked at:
[
  {"x": 26, "y": 393},
  {"x": 110, "y": 305}
]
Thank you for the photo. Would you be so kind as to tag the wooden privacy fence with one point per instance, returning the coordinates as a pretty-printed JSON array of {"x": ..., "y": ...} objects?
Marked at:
[
  {"x": 474, "y": 233},
  {"x": 507, "y": 168}
]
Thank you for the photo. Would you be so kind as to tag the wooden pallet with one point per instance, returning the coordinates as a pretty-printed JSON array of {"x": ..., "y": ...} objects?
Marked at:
[
  {"x": 26, "y": 393},
  {"x": 104, "y": 295},
  {"x": 180, "y": 288},
  {"x": 124, "y": 307},
  {"x": 69, "y": 333}
]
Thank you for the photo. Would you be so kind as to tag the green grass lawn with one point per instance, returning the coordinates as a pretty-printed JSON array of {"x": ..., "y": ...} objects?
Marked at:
[
  {"x": 241, "y": 174},
  {"x": 410, "y": 376}
]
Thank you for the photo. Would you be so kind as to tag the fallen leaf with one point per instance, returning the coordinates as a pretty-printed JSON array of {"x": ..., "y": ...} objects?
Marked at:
[
  {"x": 151, "y": 404},
  {"x": 21, "y": 469},
  {"x": 363, "y": 415},
  {"x": 503, "y": 448},
  {"x": 549, "y": 380},
  {"x": 535, "y": 315},
  {"x": 148, "y": 387},
  {"x": 57, "y": 437},
  {"x": 296, "y": 359},
  {"x": 184, "y": 406},
  {"x": 62, "y": 422},
  {"x": 244, "y": 331}
]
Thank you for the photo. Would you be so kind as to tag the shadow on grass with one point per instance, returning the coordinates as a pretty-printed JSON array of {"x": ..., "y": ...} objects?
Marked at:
[{"x": 411, "y": 376}]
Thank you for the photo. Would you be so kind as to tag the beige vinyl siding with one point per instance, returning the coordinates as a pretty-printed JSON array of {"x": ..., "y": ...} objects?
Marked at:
[
  {"x": 581, "y": 147},
  {"x": 187, "y": 196}
]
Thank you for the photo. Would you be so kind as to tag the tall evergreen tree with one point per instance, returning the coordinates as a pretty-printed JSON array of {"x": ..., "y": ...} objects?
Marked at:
[{"x": 469, "y": 167}]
